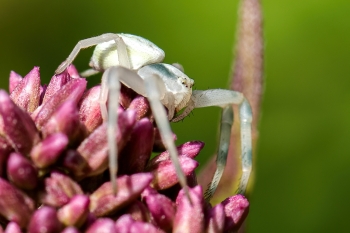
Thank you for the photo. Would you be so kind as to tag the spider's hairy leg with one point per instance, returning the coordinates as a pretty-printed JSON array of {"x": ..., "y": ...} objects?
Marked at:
[
  {"x": 186, "y": 111},
  {"x": 224, "y": 99},
  {"x": 113, "y": 104},
  {"x": 225, "y": 134},
  {"x": 155, "y": 89},
  {"x": 110, "y": 89},
  {"x": 95, "y": 41}
]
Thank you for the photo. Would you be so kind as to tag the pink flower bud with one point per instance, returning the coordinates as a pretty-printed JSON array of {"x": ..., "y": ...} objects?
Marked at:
[
  {"x": 141, "y": 106},
  {"x": 16, "y": 125},
  {"x": 48, "y": 151},
  {"x": 189, "y": 217},
  {"x": 164, "y": 174},
  {"x": 73, "y": 72},
  {"x": 75, "y": 163},
  {"x": 126, "y": 96},
  {"x": 15, "y": 205},
  {"x": 103, "y": 200},
  {"x": 189, "y": 149},
  {"x": 5, "y": 150},
  {"x": 95, "y": 148},
  {"x": 162, "y": 209},
  {"x": 12, "y": 227},
  {"x": 89, "y": 110},
  {"x": 65, "y": 120},
  {"x": 135, "y": 155},
  {"x": 125, "y": 224},
  {"x": 158, "y": 145},
  {"x": 21, "y": 172},
  {"x": 70, "y": 230},
  {"x": 15, "y": 79},
  {"x": 44, "y": 220},
  {"x": 138, "y": 211},
  {"x": 56, "y": 83},
  {"x": 27, "y": 92},
  {"x": 236, "y": 210},
  {"x": 59, "y": 189},
  {"x": 73, "y": 91},
  {"x": 75, "y": 212},
  {"x": 216, "y": 219},
  {"x": 102, "y": 225}
]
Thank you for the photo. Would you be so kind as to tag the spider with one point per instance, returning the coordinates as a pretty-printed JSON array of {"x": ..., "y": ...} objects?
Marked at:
[{"x": 136, "y": 62}]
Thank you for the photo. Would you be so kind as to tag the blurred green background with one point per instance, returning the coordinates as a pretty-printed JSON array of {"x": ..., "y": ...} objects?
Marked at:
[{"x": 303, "y": 163}]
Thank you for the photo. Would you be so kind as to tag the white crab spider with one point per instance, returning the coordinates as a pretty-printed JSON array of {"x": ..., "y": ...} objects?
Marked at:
[{"x": 135, "y": 62}]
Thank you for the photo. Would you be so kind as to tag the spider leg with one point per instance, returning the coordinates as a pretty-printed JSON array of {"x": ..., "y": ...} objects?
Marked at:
[
  {"x": 110, "y": 88},
  {"x": 225, "y": 134},
  {"x": 122, "y": 53},
  {"x": 178, "y": 66},
  {"x": 88, "y": 73},
  {"x": 224, "y": 99},
  {"x": 155, "y": 89},
  {"x": 186, "y": 112}
]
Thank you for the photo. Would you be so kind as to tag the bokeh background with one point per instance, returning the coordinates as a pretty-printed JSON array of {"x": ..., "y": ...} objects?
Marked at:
[{"x": 303, "y": 164}]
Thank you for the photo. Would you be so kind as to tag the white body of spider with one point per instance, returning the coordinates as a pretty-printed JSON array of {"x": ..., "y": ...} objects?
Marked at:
[{"x": 136, "y": 62}]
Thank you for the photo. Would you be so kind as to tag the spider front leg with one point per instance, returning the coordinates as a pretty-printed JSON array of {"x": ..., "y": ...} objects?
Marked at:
[
  {"x": 122, "y": 52},
  {"x": 110, "y": 89},
  {"x": 154, "y": 89},
  {"x": 153, "y": 95},
  {"x": 224, "y": 99}
]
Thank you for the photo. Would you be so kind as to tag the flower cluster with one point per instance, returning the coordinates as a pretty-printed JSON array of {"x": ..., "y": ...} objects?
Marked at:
[{"x": 54, "y": 166}]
